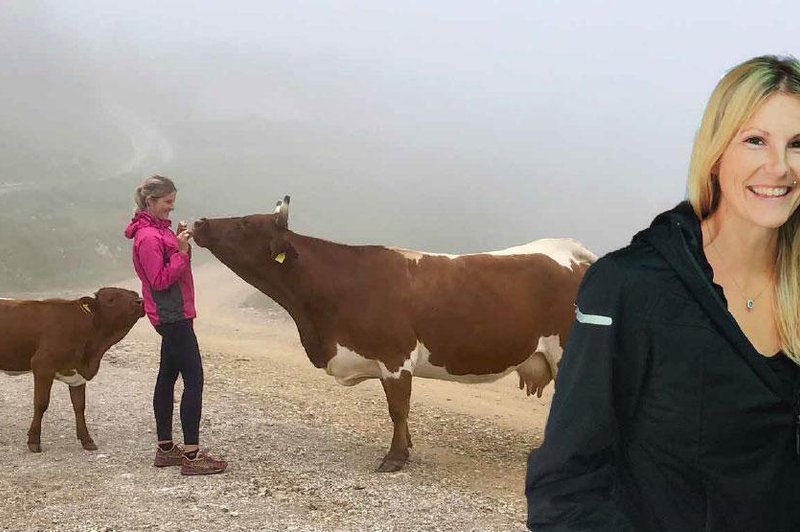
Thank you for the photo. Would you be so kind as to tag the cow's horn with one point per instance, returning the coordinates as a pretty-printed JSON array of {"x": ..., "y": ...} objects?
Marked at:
[{"x": 282, "y": 210}]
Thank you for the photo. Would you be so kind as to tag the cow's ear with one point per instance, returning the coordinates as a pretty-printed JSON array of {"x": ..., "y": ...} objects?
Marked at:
[
  {"x": 291, "y": 253},
  {"x": 282, "y": 212},
  {"x": 88, "y": 304},
  {"x": 287, "y": 252}
]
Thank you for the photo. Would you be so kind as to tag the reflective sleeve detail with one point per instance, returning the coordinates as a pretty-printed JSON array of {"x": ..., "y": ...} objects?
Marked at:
[{"x": 592, "y": 319}]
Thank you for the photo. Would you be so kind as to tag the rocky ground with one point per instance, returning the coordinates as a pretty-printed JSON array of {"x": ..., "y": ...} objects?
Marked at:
[{"x": 302, "y": 449}]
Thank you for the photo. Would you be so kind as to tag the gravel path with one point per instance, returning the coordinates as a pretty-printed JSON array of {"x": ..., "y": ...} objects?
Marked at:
[{"x": 302, "y": 448}]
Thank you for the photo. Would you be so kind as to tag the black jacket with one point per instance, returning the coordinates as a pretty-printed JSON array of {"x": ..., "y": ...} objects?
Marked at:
[{"x": 665, "y": 418}]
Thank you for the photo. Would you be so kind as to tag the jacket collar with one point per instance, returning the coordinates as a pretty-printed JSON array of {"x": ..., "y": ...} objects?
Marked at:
[
  {"x": 144, "y": 219},
  {"x": 148, "y": 219},
  {"x": 676, "y": 236}
]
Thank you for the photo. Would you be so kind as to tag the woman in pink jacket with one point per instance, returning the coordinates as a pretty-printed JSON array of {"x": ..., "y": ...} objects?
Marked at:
[{"x": 162, "y": 261}]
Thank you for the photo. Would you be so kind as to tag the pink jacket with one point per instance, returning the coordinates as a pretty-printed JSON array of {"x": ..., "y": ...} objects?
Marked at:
[{"x": 165, "y": 272}]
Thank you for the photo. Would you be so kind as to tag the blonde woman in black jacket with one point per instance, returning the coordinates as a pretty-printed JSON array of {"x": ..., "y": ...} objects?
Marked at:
[{"x": 676, "y": 405}]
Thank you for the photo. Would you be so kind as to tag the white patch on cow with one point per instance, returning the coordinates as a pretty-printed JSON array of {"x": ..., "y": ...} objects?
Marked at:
[
  {"x": 409, "y": 365},
  {"x": 416, "y": 256},
  {"x": 72, "y": 380},
  {"x": 350, "y": 368},
  {"x": 565, "y": 251}
]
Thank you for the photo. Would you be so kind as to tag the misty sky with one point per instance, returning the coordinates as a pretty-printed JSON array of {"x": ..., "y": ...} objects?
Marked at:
[{"x": 483, "y": 124}]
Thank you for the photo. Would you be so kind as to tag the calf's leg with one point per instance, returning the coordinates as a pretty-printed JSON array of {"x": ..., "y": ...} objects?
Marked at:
[
  {"x": 42, "y": 382},
  {"x": 77, "y": 395},
  {"x": 398, "y": 394}
]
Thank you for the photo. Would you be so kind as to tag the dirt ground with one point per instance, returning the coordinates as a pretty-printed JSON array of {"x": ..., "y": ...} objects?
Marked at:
[{"x": 302, "y": 449}]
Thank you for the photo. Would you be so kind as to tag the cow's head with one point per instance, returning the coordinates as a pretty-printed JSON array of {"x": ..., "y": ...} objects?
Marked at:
[
  {"x": 115, "y": 306},
  {"x": 247, "y": 242}
]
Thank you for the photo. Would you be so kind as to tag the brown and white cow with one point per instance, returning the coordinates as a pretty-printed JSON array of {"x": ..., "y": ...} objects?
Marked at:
[
  {"x": 368, "y": 312},
  {"x": 59, "y": 339}
]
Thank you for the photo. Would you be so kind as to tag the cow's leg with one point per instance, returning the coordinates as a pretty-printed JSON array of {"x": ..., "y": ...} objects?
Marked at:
[
  {"x": 398, "y": 394},
  {"x": 42, "y": 382},
  {"x": 77, "y": 395}
]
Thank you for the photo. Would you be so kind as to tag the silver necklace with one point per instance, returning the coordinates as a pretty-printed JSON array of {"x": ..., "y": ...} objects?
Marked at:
[{"x": 750, "y": 302}]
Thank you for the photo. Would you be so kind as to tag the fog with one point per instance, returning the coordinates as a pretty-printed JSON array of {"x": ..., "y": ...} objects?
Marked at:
[{"x": 447, "y": 126}]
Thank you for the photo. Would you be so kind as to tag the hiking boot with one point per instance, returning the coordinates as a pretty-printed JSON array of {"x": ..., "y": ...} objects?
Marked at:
[
  {"x": 172, "y": 457},
  {"x": 202, "y": 464}
]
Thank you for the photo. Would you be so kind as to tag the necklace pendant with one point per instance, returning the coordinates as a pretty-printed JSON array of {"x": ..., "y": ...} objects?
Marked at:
[{"x": 750, "y": 304}]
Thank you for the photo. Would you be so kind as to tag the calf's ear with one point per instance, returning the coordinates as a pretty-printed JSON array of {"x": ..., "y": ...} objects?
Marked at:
[{"x": 87, "y": 304}]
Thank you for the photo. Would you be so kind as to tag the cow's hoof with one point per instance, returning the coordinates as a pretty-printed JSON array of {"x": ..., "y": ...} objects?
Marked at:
[
  {"x": 391, "y": 464},
  {"x": 89, "y": 445},
  {"x": 34, "y": 447}
]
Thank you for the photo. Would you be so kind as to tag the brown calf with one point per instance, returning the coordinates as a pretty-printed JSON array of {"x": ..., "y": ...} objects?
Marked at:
[{"x": 63, "y": 340}]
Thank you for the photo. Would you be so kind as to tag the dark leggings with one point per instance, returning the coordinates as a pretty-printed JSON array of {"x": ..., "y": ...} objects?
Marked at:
[{"x": 179, "y": 355}]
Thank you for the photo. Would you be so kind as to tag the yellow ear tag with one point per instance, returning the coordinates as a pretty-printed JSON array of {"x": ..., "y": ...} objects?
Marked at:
[
  {"x": 280, "y": 257},
  {"x": 86, "y": 309}
]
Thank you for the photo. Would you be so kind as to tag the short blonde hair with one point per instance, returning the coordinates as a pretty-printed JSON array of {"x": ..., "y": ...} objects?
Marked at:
[
  {"x": 735, "y": 99},
  {"x": 155, "y": 187}
]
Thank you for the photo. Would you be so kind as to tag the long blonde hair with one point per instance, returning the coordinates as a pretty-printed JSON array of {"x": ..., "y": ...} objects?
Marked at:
[
  {"x": 736, "y": 97},
  {"x": 155, "y": 187}
]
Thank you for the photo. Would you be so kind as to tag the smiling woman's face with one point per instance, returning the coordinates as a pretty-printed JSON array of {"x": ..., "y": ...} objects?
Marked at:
[
  {"x": 161, "y": 207},
  {"x": 759, "y": 170}
]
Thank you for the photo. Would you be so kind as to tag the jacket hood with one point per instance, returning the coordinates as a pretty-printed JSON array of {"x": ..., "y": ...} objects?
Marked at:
[
  {"x": 144, "y": 219},
  {"x": 676, "y": 235}
]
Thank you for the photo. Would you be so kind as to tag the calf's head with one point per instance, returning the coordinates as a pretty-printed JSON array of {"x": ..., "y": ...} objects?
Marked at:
[
  {"x": 247, "y": 243},
  {"x": 116, "y": 307}
]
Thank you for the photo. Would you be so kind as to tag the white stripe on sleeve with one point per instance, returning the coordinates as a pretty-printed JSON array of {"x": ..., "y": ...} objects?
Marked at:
[{"x": 592, "y": 319}]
